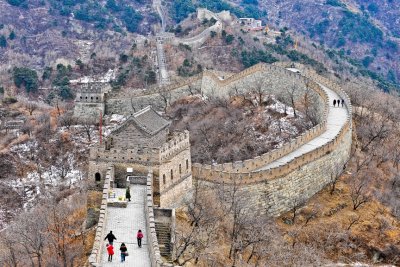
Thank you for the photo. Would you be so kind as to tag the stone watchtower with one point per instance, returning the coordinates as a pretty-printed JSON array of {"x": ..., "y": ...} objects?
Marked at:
[
  {"x": 90, "y": 99},
  {"x": 144, "y": 142}
]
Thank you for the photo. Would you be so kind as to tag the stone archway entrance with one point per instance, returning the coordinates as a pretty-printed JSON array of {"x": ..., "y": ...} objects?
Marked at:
[{"x": 97, "y": 177}]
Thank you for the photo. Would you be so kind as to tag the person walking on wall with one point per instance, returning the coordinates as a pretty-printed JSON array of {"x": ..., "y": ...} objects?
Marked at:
[
  {"x": 124, "y": 252},
  {"x": 110, "y": 251},
  {"x": 139, "y": 237},
  {"x": 334, "y": 102},
  {"x": 111, "y": 237}
]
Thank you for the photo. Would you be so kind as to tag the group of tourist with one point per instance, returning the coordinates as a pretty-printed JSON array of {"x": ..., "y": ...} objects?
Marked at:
[
  {"x": 124, "y": 250},
  {"x": 338, "y": 102}
]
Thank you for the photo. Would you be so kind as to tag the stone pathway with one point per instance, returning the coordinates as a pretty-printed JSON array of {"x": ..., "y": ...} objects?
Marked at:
[
  {"x": 162, "y": 66},
  {"x": 125, "y": 222},
  {"x": 337, "y": 117}
]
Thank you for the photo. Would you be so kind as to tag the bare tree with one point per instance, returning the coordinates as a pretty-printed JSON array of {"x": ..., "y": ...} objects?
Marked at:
[
  {"x": 291, "y": 92},
  {"x": 260, "y": 89},
  {"x": 31, "y": 107},
  {"x": 335, "y": 175},
  {"x": 165, "y": 95},
  {"x": 194, "y": 239},
  {"x": 353, "y": 220},
  {"x": 31, "y": 235},
  {"x": 312, "y": 214},
  {"x": 66, "y": 120},
  {"x": 88, "y": 124},
  {"x": 358, "y": 191},
  {"x": 295, "y": 203},
  {"x": 309, "y": 104},
  {"x": 12, "y": 250},
  {"x": 193, "y": 90}
]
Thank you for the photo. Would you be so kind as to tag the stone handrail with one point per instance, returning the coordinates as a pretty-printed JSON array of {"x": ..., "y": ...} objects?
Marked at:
[
  {"x": 95, "y": 256},
  {"x": 153, "y": 246}
]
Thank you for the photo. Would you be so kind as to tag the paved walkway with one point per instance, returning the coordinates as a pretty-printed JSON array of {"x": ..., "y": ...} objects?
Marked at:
[
  {"x": 162, "y": 66},
  {"x": 337, "y": 117},
  {"x": 125, "y": 222}
]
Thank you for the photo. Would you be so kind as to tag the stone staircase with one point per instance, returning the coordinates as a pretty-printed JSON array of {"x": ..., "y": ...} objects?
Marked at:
[{"x": 163, "y": 232}]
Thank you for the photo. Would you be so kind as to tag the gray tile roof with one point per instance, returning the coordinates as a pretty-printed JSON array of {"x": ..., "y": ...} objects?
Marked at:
[{"x": 149, "y": 120}]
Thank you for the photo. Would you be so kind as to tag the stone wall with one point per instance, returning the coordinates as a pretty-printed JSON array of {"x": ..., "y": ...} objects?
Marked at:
[
  {"x": 275, "y": 196},
  {"x": 242, "y": 82},
  {"x": 175, "y": 171},
  {"x": 153, "y": 246},
  {"x": 278, "y": 189},
  {"x": 91, "y": 110},
  {"x": 147, "y": 157},
  {"x": 98, "y": 245},
  {"x": 199, "y": 40},
  {"x": 129, "y": 103},
  {"x": 90, "y": 100},
  {"x": 209, "y": 84}
]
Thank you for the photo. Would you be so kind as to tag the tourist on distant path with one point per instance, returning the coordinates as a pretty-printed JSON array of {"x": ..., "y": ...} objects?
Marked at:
[
  {"x": 110, "y": 238},
  {"x": 342, "y": 102},
  {"x": 110, "y": 251},
  {"x": 334, "y": 102},
  {"x": 124, "y": 251},
  {"x": 139, "y": 238}
]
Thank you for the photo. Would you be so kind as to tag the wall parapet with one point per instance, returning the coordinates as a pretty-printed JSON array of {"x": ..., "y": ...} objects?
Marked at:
[
  {"x": 153, "y": 246},
  {"x": 95, "y": 256},
  {"x": 253, "y": 177},
  {"x": 178, "y": 143},
  {"x": 155, "y": 89},
  {"x": 146, "y": 156}
]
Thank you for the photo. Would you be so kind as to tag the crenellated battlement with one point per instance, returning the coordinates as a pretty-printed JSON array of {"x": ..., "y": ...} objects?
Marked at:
[{"x": 178, "y": 143}]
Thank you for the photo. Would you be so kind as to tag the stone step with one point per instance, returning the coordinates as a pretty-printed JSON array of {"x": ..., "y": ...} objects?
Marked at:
[{"x": 163, "y": 232}]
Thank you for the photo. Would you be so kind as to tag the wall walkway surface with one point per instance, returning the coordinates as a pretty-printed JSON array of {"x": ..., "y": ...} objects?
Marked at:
[{"x": 125, "y": 222}]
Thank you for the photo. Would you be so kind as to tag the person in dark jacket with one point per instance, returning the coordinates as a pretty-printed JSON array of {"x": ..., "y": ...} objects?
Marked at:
[
  {"x": 124, "y": 251},
  {"x": 139, "y": 237},
  {"x": 334, "y": 102},
  {"x": 110, "y": 238}
]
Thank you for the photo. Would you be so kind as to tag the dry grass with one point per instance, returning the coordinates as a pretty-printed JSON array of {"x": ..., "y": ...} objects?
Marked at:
[{"x": 375, "y": 227}]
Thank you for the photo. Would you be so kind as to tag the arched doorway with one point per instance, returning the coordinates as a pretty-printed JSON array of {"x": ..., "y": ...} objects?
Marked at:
[{"x": 97, "y": 177}]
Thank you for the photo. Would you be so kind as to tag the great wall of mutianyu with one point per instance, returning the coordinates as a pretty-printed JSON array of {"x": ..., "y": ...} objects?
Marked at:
[
  {"x": 251, "y": 172},
  {"x": 270, "y": 183}
]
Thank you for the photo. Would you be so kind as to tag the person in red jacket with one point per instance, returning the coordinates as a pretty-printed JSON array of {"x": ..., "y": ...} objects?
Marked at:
[
  {"x": 139, "y": 238},
  {"x": 110, "y": 251}
]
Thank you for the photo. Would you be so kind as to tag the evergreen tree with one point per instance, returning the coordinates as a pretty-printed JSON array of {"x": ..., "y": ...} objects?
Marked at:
[
  {"x": 3, "y": 41},
  {"x": 12, "y": 35},
  {"x": 26, "y": 77}
]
